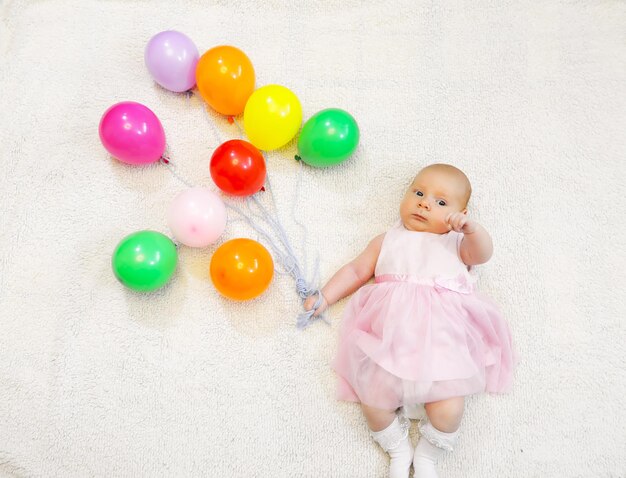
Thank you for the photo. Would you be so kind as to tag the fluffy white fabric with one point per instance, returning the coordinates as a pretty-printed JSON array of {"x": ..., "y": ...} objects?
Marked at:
[{"x": 526, "y": 97}]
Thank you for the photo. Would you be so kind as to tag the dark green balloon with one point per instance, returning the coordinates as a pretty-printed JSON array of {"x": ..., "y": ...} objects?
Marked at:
[
  {"x": 144, "y": 260},
  {"x": 328, "y": 137}
]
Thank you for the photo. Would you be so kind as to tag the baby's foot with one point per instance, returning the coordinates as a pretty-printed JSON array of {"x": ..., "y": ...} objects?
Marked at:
[
  {"x": 395, "y": 440},
  {"x": 425, "y": 459},
  {"x": 401, "y": 458},
  {"x": 431, "y": 445}
]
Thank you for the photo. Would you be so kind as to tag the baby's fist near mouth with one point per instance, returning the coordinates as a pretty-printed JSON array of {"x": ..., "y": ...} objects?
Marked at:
[{"x": 459, "y": 222}]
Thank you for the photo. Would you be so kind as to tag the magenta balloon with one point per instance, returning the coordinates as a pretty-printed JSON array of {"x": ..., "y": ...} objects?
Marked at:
[
  {"x": 171, "y": 58},
  {"x": 132, "y": 133}
]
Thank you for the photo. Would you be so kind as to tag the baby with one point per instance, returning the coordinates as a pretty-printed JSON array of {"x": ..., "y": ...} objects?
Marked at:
[{"x": 420, "y": 334}]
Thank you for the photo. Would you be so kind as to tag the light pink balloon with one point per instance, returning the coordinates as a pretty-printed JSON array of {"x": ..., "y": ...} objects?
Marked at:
[
  {"x": 132, "y": 133},
  {"x": 197, "y": 217}
]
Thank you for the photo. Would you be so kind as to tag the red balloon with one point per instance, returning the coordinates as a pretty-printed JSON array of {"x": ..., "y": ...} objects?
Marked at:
[{"x": 238, "y": 168}]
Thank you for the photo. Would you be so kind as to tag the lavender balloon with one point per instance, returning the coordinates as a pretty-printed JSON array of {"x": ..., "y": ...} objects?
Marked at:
[{"x": 171, "y": 58}]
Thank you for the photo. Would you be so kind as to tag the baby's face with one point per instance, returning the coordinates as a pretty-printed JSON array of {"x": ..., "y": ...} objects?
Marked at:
[{"x": 432, "y": 196}]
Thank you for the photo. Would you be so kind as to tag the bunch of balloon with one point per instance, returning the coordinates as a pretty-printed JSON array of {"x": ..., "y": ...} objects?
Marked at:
[{"x": 240, "y": 269}]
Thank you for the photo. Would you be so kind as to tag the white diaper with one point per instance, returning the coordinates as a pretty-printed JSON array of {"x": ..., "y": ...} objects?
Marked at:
[{"x": 415, "y": 411}]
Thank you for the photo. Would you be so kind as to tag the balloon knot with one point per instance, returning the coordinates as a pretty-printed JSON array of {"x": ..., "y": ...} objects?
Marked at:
[
  {"x": 297, "y": 158},
  {"x": 262, "y": 188},
  {"x": 165, "y": 160},
  {"x": 231, "y": 120}
]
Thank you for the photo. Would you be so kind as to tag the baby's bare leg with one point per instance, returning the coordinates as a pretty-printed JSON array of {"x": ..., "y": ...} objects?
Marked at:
[
  {"x": 377, "y": 418},
  {"x": 446, "y": 415}
]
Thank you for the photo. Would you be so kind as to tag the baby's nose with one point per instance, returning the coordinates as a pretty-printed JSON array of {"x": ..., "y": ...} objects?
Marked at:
[{"x": 424, "y": 203}]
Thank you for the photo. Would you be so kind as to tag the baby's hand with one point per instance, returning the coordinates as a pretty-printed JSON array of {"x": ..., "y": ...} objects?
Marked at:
[
  {"x": 459, "y": 222},
  {"x": 310, "y": 302}
]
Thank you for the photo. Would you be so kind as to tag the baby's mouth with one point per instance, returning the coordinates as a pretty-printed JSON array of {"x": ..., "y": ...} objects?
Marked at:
[{"x": 419, "y": 217}]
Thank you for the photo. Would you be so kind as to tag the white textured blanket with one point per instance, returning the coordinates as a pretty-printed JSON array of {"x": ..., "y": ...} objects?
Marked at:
[{"x": 526, "y": 97}]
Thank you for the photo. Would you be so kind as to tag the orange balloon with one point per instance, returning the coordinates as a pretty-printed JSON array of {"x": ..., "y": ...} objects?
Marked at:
[
  {"x": 241, "y": 269},
  {"x": 225, "y": 79}
]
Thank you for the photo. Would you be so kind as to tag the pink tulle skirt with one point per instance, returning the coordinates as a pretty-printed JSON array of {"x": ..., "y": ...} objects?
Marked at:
[{"x": 403, "y": 342}]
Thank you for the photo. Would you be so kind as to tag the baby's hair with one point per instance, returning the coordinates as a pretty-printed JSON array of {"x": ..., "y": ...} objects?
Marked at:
[{"x": 454, "y": 172}]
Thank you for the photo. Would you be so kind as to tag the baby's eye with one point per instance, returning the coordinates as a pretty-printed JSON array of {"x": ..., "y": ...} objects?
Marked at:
[
  {"x": 441, "y": 202},
  {"x": 419, "y": 193}
]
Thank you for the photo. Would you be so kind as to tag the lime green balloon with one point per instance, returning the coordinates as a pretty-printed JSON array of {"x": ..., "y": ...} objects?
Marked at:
[
  {"x": 144, "y": 260},
  {"x": 328, "y": 137}
]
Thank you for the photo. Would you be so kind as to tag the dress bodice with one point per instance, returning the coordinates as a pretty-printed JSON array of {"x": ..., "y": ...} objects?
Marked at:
[{"x": 423, "y": 257}]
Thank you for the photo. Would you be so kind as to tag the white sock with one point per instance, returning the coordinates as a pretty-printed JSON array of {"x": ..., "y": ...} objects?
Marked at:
[
  {"x": 395, "y": 440},
  {"x": 430, "y": 447}
]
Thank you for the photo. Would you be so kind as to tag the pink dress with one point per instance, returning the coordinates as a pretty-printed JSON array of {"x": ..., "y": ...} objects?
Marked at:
[{"x": 421, "y": 333}]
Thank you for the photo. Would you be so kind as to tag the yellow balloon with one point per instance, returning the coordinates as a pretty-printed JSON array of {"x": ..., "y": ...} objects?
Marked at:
[{"x": 272, "y": 117}]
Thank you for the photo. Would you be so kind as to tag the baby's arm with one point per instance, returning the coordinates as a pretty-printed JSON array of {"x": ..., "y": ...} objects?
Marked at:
[
  {"x": 476, "y": 246},
  {"x": 349, "y": 278}
]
